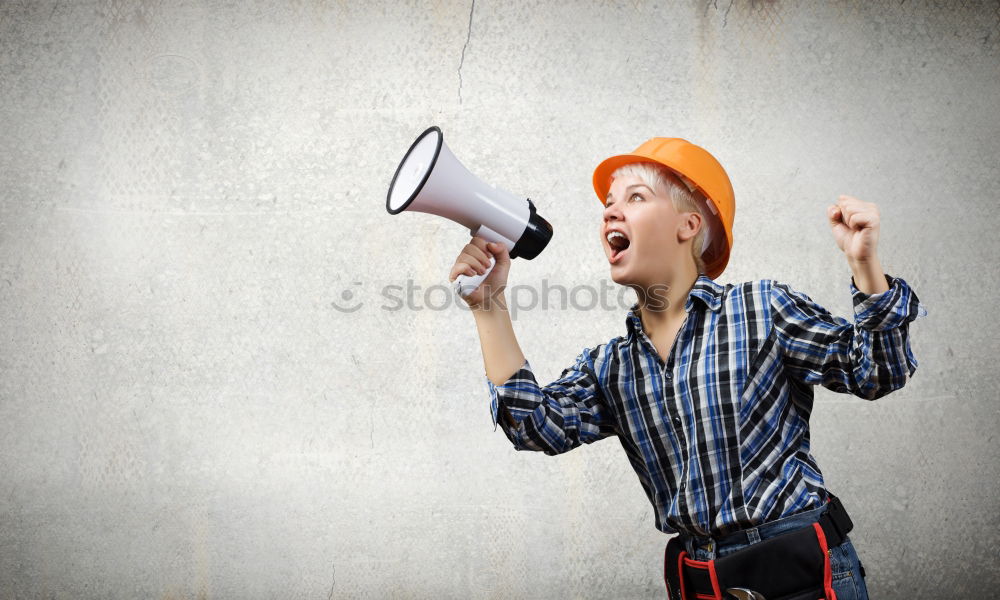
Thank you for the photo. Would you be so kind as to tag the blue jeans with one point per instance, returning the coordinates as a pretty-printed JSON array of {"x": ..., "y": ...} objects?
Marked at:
[{"x": 848, "y": 581}]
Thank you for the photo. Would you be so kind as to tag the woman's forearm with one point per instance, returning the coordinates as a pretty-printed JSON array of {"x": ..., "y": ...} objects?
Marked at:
[
  {"x": 869, "y": 277},
  {"x": 502, "y": 355}
]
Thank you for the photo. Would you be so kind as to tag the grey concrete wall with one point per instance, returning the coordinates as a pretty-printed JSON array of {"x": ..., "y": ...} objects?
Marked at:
[{"x": 192, "y": 195}]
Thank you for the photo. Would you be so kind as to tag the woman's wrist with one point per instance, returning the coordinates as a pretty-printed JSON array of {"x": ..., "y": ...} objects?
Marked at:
[
  {"x": 869, "y": 277},
  {"x": 490, "y": 306},
  {"x": 494, "y": 302}
]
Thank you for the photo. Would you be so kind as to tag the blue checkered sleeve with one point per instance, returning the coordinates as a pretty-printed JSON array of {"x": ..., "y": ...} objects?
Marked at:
[
  {"x": 869, "y": 358},
  {"x": 554, "y": 418}
]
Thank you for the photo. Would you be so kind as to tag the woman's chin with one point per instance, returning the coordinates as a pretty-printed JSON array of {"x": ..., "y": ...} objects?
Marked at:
[{"x": 620, "y": 275}]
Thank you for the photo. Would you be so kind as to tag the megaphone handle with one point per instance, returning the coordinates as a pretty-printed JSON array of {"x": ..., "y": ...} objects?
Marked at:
[{"x": 465, "y": 285}]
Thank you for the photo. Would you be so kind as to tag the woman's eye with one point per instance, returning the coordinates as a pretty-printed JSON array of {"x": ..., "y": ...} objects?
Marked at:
[{"x": 634, "y": 196}]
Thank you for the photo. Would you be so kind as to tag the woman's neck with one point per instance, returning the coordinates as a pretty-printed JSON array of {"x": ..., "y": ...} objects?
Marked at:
[{"x": 661, "y": 305}]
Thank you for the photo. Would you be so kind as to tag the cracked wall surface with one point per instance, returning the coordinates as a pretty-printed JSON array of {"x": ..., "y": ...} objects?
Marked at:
[{"x": 227, "y": 372}]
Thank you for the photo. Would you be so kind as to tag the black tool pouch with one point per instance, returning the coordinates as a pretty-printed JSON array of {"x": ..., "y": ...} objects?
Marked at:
[{"x": 790, "y": 566}]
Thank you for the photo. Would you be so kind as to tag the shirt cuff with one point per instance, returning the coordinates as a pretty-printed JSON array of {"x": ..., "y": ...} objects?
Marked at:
[
  {"x": 497, "y": 390},
  {"x": 888, "y": 310}
]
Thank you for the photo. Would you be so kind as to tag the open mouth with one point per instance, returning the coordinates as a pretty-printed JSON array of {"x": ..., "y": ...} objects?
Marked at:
[{"x": 619, "y": 243}]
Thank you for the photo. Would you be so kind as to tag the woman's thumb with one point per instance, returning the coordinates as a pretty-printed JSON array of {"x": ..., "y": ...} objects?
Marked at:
[{"x": 500, "y": 252}]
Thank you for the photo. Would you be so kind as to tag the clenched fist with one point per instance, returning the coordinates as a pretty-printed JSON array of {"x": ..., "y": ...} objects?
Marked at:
[
  {"x": 855, "y": 226},
  {"x": 473, "y": 260}
]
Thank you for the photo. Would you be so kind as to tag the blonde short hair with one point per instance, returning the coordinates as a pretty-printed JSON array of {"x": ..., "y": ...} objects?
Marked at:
[{"x": 684, "y": 199}]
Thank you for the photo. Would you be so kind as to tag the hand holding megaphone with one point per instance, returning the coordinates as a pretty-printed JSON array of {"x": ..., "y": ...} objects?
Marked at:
[
  {"x": 430, "y": 179},
  {"x": 484, "y": 265}
]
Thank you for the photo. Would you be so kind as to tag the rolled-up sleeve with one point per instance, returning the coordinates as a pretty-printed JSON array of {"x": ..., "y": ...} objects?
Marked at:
[
  {"x": 554, "y": 418},
  {"x": 869, "y": 358}
]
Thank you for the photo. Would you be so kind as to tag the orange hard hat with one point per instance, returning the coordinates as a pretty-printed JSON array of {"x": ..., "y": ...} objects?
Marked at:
[{"x": 700, "y": 171}]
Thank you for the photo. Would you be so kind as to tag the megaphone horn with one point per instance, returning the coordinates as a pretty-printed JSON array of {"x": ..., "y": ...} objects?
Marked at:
[{"x": 431, "y": 180}]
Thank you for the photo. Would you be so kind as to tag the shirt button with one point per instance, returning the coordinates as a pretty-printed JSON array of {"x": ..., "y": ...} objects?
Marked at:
[{"x": 677, "y": 421}]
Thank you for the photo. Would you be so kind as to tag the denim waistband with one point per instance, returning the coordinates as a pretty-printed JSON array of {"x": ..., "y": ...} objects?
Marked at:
[{"x": 758, "y": 533}]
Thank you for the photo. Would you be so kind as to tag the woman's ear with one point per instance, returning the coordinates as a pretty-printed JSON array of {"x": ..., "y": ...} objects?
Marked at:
[{"x": 689, "y": 227}]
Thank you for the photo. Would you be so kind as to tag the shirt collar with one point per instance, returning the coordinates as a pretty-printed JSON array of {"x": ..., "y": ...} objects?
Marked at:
[{"x": 705, "y": 290}]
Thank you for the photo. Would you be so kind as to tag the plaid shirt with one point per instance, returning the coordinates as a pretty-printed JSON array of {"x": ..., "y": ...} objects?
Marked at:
[{"x": 719, "y": 433}]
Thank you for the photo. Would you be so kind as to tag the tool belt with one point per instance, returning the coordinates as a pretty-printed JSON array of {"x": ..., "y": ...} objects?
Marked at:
[{"x": 794, "y": 565}]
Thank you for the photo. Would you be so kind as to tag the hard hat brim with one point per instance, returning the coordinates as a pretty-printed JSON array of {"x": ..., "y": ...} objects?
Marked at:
[{"x": 602, "y": 174}]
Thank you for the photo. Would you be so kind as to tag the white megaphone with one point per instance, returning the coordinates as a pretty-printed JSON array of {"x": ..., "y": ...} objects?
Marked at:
[{"x": 431, "y": 180}]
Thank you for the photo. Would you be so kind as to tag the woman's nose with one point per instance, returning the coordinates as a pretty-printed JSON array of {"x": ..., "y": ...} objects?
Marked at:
[{"x": 611, "y": 211}]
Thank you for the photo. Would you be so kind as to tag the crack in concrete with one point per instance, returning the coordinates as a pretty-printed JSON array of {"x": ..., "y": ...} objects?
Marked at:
[
  {"x": 333, "y": 568},
  {"x": 715, "y": 3},
  {"x": 468, "y": 36}
]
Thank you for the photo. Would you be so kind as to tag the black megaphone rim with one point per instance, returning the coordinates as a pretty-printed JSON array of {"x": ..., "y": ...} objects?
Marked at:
[{"x": 427, "y": 174}]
